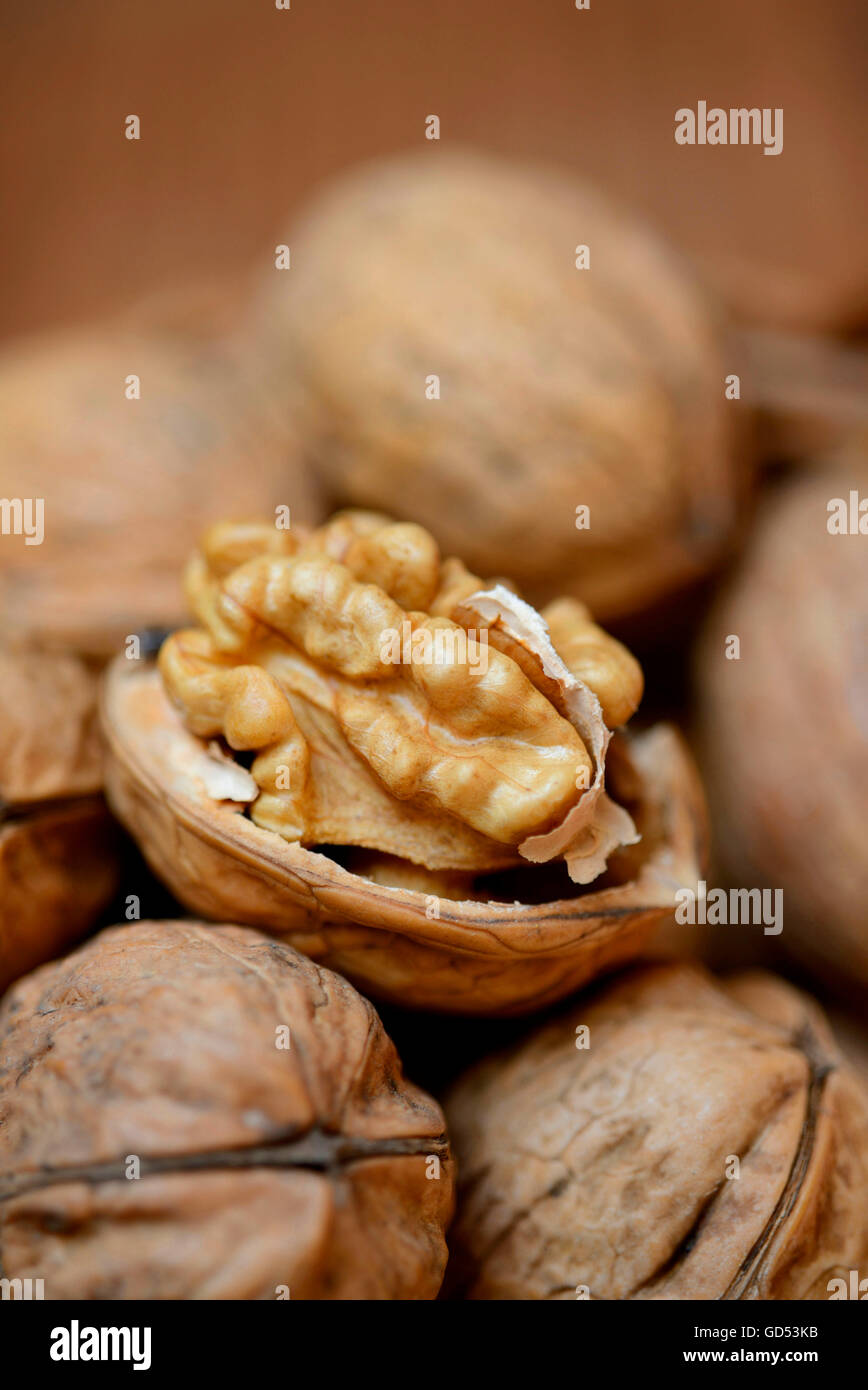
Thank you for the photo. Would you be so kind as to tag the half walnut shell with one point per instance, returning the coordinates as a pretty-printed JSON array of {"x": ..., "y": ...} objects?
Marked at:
[
  {"x": 58, "y": 852},
  {"x": 498, "y": 942}
]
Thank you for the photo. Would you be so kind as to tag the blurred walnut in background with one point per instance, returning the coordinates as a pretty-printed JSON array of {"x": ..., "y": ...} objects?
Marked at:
[
  {"x": 58, "y": 851},
  {"x": 784, "y": 727},
  {"x": 133, "y": 440},
  {"x": 453, "y": 364}
]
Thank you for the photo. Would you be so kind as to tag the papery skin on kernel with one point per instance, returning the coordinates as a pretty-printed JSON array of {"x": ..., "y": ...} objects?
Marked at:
[{"x": 596, "y": 658}]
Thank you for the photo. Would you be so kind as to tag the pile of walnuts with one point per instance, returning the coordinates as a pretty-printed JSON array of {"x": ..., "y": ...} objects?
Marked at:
[{"x": 318, "y": 625}]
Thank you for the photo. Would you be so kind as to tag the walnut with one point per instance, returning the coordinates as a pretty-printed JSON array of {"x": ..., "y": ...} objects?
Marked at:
[
  {"x": 127, "y": 484},
  {"x": 708, "y": 1143},
  {"x": 784, "y": 728},
  {"x": 311, "y": 711},
  {"x": 204, "y": 1113},
  {"x": 559, "y": 387},
  {"x": 58, "y": 856}
]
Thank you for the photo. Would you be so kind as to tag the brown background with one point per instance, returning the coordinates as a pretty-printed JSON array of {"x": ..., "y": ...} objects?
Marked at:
[{"x": 245, "y": 108}]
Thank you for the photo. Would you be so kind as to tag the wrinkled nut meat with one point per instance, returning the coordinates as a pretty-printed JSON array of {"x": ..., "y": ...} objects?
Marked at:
[
  {"x": 557, "y": 387},
  {"x": 324, "y": 639},
  {"x": 127, "y": 483},
  {"x": 58, "y": 866},
  {"x": 281, "y": 1152},
  {"x": 707, "y": 1143},
  {"x": 349, "y": 689}
]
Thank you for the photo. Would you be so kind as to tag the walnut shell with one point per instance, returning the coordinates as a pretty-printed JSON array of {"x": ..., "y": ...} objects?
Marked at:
[
  {"x": 312, "y": 1172},
  {"x": 784, "y": 729},
  {"x": 58, "y": 851},
  {"x": 473, "y": 957},
  {"x": 559, "y": 387},
  {"x": 128, "y": 484},
  {"x": 604, "y": 1172}
]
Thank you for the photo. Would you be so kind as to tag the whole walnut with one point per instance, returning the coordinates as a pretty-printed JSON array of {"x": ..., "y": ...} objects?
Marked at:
[
  {"x": 784, "y": 727},
  {"x": 557, "y": 387},
  {"x": 192, "y": 1113},
  {"x": 58, "y": 850},
  {"x": 401, "y": 768},
  {"x": 671, "y": 1137},
  {"x": 127, "y": 481}
]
